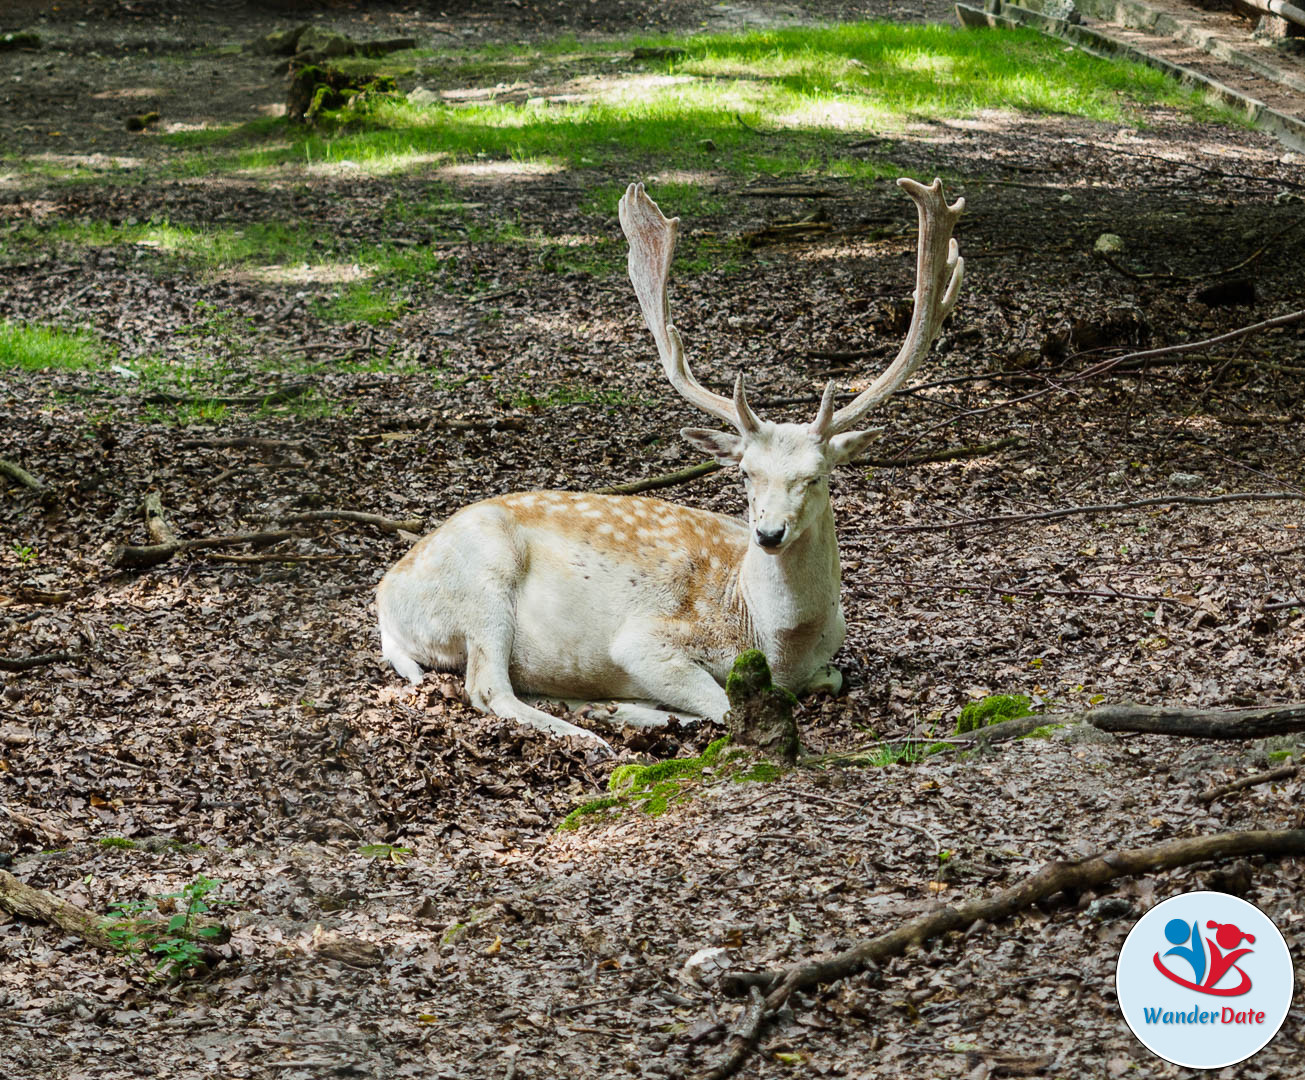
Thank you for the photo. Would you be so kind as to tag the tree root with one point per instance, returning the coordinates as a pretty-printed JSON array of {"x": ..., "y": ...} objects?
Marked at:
[{"x": 1053, "y": 877}]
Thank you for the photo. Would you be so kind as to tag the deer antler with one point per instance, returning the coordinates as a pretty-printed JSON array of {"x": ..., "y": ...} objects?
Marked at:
[
  {"x": 938, "y": 273},
  {"x": 652, "y": 244}
]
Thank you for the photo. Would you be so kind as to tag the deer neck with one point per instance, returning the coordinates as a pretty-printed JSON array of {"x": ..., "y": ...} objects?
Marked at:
[{"x": 791, "y": 596}]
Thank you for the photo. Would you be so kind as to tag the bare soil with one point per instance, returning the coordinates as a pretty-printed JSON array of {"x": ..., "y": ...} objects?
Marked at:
[{"x": 234, "y": 720}]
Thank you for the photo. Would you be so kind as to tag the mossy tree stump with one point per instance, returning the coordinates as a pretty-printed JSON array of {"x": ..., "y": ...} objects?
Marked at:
[{"x": 761, "y": 713}]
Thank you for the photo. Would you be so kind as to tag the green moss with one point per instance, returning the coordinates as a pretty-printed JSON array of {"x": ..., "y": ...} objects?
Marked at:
[
  {"x": 650, "y": 787},
  {"x": 117, "y": 842},
  {"x": 763, "y": 772},
  {"x": 1043, "y": 732},
  {"x": 992, "y": 710},
  {"x": 575, "y": 818}
]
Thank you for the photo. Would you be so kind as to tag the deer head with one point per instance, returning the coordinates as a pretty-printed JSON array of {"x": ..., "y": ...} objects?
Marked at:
[{"x": 786, "y": 466}]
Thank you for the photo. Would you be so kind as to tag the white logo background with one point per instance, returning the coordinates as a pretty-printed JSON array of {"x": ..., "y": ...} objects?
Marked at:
[{"x": 1210, "y": 1045}]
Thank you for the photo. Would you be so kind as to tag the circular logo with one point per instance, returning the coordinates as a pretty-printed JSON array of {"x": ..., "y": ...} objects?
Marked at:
[{"x": 1204, "y": 980}]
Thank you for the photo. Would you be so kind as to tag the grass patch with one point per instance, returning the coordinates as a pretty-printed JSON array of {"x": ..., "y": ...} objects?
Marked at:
[
  {"x": 362, "y": 302},
  {"x": 822, "y": 86},
  {"x": 26, "y": 347},
  {"x": 558, "y": 396}
]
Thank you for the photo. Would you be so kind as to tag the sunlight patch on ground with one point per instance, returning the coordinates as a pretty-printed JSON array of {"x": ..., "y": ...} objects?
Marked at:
[
  {"x": 512, "y": 170},
  {"x": 126, "y": 93},
  {"x": 329, "y": 273}
]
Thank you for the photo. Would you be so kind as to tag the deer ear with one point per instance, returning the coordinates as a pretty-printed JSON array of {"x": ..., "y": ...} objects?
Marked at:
[
  {"x": 846, "y": 446},
  {"x": 724, "y": 447}
]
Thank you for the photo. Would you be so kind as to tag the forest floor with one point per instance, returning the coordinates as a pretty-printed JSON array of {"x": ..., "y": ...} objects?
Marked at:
[{"x": 401, "y": 899}]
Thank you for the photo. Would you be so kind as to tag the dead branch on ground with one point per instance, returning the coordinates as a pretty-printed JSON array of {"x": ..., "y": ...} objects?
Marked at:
[
  {"x": 273, "y": 397},
  {"x": 20, "y": 475},
  {"x": 297, "y": 446},
  {"x": 1257, "y": 723},
  {"x": 27, "y": 902},
  {"x": 1053, "y": 877},
  {"x": 127, "y": 557},
  {"x": 385, "y": 524},
  {"x": 1109, "y": 508},
  {"x": 706, "y": 468},
  {"x": 1285, "y": 772},
  {"x": 26, "y": 663}
]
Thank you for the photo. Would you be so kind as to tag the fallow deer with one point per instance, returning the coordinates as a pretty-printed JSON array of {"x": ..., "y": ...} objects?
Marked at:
[{"x": 596, "y": 597}]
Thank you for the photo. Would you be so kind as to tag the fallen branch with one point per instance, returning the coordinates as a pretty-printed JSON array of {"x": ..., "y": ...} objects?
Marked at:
[
  {"x": 27, "y": 902},
  {"x": 1149, "y": 720},
  {"x": 385, "y": 524},
  {"x": 273, "y": 397},
  {"x": 297, "y": 446},
  {"x": 20, "y": 475},
  {"x": 26, "y": 663},
  {"x": 706, "y": 468},
  {"x": 126, "y": 557},
  {"x": 954, "y": 453},
  {"x": 1285, "y": 772},
  {"x": 652, "y": 483},
  {"x": 1052, "y": 878},
  {"x": 1109, "y": 508}
]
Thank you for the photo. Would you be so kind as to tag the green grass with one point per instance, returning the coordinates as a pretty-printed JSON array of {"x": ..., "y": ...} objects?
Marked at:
[
  {"x": 39, "y": 348},
  {"x": 821, "y": 87}
]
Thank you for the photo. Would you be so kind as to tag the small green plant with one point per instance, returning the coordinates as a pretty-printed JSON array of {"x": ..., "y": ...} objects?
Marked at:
[
  {"x": 174, "y": 942},
  {"x": 992, "y": 710},
  {"x": 24, "y": 552},
  {"x": 389, "y": 852}
]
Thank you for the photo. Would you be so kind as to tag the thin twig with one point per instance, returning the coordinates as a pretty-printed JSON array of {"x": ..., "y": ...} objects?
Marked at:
[
  {"x": 1286, "y": 772},
  {"x": 1109, "y": 508},
  {"x": 385, "y": 524}
]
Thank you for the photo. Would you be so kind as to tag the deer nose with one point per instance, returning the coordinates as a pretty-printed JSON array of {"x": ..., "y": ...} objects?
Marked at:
[{"x": 771, "y": 538}]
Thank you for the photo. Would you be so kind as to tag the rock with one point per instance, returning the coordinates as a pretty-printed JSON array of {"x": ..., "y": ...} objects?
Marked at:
[
  {"x": 761, "y": 714},
  {"x": 1107, "y": 908},
  {"x": 1108, "y": 243},
  {"x": 324, "y": 44},
  {"x": 1186, "y": 480},
  {"x": 277, "y": 43},
  {"x": 1062, "y": 9},
  {"x": 419, "y": 95},
  {"x": 706, "y": 966}
]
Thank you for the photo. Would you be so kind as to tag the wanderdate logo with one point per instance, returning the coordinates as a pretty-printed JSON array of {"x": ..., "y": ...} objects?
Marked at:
[{"x": 1186, "y": 954}]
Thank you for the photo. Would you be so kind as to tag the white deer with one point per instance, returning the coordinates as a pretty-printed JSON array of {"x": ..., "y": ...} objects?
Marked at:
[{"x": 597, "y": 597}]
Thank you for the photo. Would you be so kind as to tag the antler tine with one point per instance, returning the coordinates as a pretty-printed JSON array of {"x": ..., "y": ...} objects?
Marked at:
[
  {"x": 939, "y": 270},
  {"x": 652, "y": 244}
]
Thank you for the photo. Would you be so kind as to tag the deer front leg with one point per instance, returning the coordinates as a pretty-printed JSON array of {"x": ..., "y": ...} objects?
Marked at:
[
  {"x": 826, "y": 680},
  {"x": 669, "y": 676}
]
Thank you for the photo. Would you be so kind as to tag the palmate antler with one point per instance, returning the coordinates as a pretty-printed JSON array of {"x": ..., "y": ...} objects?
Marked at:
[
  {"x": 938, "y": 275},
  {"x": 652, "y": 244}
]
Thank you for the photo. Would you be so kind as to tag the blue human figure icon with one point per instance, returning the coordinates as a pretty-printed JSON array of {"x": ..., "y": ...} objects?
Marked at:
[{"x": 1177, "y": 933}]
